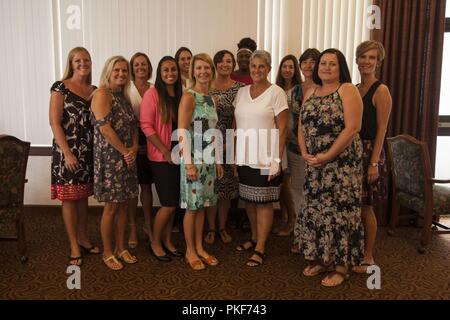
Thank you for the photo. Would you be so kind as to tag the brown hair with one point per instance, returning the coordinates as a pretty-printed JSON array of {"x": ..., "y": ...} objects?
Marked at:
[
  {"x": 296, "y": 78},
  {"x": 370, "y": 45},
  {"x": 150, "y": 67}
]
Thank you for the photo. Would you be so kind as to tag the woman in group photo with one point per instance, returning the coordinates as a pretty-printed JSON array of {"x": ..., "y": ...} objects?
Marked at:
[
  {"x": 197, "y": 114},
  {"x": 331, "y": 230},
  {"x": 72, "y": 171},
  {"x": 115, "y": 151},
  {"x": 261, "y": 108},
  {"x": 159, "y": 118},
  {"x": 224, "y": 90},
  {"x": 141, "y": 72},
  {"x": 377, "y": 103}
]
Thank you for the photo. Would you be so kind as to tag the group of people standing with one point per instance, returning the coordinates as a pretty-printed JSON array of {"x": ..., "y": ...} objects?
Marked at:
[{"x": 318, "y": 150}]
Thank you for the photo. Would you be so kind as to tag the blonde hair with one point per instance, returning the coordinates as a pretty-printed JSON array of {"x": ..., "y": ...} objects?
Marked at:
[
  {"x": 68, "y": 72},
  {"x": 107, "y": 71},
  {"x": 205, "y": 58},
  {"x": 371, "y": 45}
]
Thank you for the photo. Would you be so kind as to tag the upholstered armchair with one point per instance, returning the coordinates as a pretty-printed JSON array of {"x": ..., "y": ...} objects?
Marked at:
[
  {"x": 13, "y": 166},
  {"x": 415, "y": 188}
]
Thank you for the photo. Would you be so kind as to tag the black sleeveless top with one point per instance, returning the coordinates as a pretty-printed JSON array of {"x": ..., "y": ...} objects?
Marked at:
[{"x": 369, "y": 119}]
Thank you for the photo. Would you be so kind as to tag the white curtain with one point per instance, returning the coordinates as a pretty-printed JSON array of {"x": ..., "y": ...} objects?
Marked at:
[{"x": 292, "y": 26}]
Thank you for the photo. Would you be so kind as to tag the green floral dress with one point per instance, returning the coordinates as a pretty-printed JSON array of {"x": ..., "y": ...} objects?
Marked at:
[
  {"x": 330, "y": 223},
  {"x": 199, "y": 194},
  {"x": 114, "y": 181}
]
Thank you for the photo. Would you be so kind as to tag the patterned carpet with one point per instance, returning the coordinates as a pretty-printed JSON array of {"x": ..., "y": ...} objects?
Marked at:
[{"x": 405, "y": 273}]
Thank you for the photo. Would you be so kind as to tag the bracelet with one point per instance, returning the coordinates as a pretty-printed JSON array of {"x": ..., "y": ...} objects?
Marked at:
[{"x": 374, "y": 164}]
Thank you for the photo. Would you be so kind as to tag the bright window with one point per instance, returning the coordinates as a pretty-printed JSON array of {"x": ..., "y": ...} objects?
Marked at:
[
  {"x": 444, "y": 104},
  {"x": 443, "y": 154},
  {"x": 443, "y": 140}
]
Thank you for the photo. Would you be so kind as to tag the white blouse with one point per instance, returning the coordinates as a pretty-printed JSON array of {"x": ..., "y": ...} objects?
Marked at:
[
  {"x": 135, "y": 98},
  {"x": 256, "y": 130}
]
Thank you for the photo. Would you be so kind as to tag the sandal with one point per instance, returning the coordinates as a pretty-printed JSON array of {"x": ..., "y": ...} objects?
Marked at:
[
  {"x": 342, "y": 277},
  {"x": 90, "y": 250},
  {"x": 210, "y": 237},
  {"x": 209, "y": 260},
  {"x": 252, "y": 262},
  {"x": 313, "y": 270},
  {"x": 126, "y": 257},
  {"x": 112, "y": 263},
  {"x": 362, "y": 267},
  {"x": 247, "y": 245},
  {"x": 196, "y": 265},
  {"x": 224, "y": 236},
  {"x": 76, "y": 261}
]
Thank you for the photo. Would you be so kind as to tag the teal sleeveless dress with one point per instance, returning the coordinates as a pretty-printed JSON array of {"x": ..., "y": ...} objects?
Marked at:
[{"x": 199, "y": 194}]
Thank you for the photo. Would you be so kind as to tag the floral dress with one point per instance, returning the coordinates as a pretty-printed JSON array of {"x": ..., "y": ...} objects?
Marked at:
[
  {"x": 330, "y": 224},
  {"x": 114, "y": 181},
  {"x": 79, "y": 132},
  {"x": 226, "y": 188},
  {"x": 199, "y": 194}
]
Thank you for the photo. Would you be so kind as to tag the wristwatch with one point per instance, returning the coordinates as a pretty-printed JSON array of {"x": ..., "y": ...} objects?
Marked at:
[{"x": 374, "y": 164}]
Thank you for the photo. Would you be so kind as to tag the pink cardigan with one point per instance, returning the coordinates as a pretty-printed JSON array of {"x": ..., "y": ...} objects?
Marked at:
[{"x": 151, "y": 124}]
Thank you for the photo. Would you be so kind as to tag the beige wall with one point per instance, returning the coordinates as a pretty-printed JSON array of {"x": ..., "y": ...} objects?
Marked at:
[{"x": 36, "y": 35}]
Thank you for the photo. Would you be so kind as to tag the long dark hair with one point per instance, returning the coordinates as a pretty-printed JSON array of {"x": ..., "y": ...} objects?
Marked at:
[
  {"x": 296, "y": 79},
  {"x": 344, "y": 73},
  {"x": 164, "y": 104}
]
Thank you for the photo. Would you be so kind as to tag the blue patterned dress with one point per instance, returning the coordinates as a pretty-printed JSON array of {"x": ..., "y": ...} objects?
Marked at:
[{"x": 199, "y": 194}]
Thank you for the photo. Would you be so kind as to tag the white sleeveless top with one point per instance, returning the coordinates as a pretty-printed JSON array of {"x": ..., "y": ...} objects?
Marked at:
[{"x": 135, "y": 98}]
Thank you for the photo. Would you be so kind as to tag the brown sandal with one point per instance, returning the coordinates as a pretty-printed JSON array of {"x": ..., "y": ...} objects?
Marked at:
[
  {"x": 210, "y": 237},
  {"x": 196, "y": 265},
  {"x": 127, "y": 257},
  {"x": 224, "y": 236},
  {"x": 318, "y": 269},
  {"x": 112, "y": 263},
  {"x": 341, "y": 275},
  {"x": 247, "y": 245},
  {"x": 252, "y": 262}
]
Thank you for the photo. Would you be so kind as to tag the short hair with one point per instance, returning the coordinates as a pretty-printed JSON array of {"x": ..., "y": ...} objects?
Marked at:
[
  {"x": 296, "y": 78},
  {"x": 150, "y": 67},
  {"x": 68, "y": 72},
  {"x": 205, "y": 58},
  {"x": 219, "y": 56},
  {"x": 344, "y": 73},
  {"x": 107, "y": 71},
  {"x": 311, "y": 53},
  {"x": 370, "y": 45},
  {"x": 247, "y": 43},
  {"x": 180, "y": 51},
  {"x": 262, "y": 54}
]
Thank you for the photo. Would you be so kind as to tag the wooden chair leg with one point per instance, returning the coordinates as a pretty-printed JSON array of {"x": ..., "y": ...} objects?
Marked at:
[
  {"x": 426, "y": 230},
  {"x": 394, "y": 216},
  {"x": 21, "y": 242}
]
